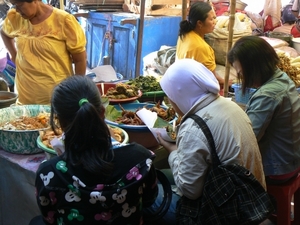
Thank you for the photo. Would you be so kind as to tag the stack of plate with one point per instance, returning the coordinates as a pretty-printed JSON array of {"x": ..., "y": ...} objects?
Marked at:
[{"x": 7, "y": 98}]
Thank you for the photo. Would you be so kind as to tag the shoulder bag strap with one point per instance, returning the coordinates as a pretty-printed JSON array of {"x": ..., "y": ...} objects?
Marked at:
[
  {"x": 202, "y": 124},
  {"x": 150, "y": 218}
]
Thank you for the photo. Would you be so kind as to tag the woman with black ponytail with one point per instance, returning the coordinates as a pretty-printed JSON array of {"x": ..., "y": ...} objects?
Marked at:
[
  {"x": 191, "y": 44},
  {"x": 92, "y": 182}
]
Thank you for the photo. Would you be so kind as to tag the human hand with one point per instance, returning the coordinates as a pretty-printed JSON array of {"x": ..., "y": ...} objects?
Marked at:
[{"x": 169, "y": 146}]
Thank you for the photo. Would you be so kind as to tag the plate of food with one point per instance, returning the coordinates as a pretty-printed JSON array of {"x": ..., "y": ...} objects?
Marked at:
[
  {"x": 119, "y": 92},
  {"x": 124, "y": 115},
  {"x": 149, "y": 85},
  {"x": 44, "y": 139}
]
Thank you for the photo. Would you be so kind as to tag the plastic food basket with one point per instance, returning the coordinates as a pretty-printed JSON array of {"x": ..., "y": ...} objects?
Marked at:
[
  {"x": 239, "y": 97},
  {"x": 153, "y": 96}
]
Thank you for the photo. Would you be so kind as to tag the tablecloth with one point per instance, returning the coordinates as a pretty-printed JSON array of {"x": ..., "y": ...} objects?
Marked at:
[{"x": 17, "y": 191}]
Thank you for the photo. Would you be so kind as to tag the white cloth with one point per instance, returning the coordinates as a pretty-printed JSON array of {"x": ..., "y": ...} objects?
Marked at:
[{"x": 193, "y": 82}]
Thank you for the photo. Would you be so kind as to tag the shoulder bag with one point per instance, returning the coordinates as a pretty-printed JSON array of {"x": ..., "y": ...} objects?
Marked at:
[
  {"x": 152, "y": 218},
  {"x": 231, "y": 194}
]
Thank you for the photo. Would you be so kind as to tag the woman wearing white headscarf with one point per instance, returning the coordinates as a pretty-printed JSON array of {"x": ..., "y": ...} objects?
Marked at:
[{"x": 193, "y": 89}]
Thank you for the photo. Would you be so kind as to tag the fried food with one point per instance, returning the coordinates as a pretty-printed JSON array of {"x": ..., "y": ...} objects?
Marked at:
[
  {"x": 118, "y": 134},
  {"x": 41, "y": 121},
  {"x": 122, "y": 91},
  {"x": 167, "y": 115},
  {"x": 171, "y": 132},
  {"x": 171, "y": 129},
  {"x": 48, "y": 135},
  {"x": 291, "y": 70},
  {"x": 131, "y": 118}
]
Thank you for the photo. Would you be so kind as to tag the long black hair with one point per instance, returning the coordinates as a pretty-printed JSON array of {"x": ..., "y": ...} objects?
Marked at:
[
  {"x": 76, "y": 104},
  {"x": 258, "y": 60},
  {"x": 198, "y": 11}
]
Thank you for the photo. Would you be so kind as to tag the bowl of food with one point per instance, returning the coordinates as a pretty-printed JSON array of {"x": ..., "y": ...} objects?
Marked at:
[
  {"x": 44, "y": 139},
  {"x": 20, "y": 126},
  {"x": 119, "y": 92},
  {"x": 7, "y": 98},
  {"x": 125, "y": 117}
]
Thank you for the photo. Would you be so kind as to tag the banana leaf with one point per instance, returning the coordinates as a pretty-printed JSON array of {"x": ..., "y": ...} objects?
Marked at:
[{"x": 112, "y": 112}]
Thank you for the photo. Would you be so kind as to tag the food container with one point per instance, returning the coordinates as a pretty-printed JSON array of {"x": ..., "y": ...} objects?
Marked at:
[
  {"x": 20, "y": 141},
  {"x": 7, "y": 98},
  {"x": 51, "y": 152},
  {"x": 239, "y": 97},
  {"x": 152, "y": 96},
  {"x": 103, "y": 87},
  {"x": 296, "y": 44}
]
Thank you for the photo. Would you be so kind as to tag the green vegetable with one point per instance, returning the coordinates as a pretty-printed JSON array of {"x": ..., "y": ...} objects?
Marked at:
[{"x": 145, "y": 83}]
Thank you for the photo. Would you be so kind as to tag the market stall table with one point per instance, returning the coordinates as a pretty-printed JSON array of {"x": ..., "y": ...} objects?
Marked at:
[{"x": 17, "y": 191}]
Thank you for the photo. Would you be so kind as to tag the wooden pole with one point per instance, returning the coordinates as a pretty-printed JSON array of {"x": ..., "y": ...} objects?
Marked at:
[
  {"x": 140, "y": 39},
  {"x": 229, "y": 43},
  {"x": 184, "y": 9},
  {"x": 61, "y": 4}
]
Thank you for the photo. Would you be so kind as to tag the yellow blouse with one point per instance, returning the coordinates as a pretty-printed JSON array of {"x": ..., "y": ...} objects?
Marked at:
[
  {"x": 43, "y": 53},
  {"x": 194, "y": 47}
]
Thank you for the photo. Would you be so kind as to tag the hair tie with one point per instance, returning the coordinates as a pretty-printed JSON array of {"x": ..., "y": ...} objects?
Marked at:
[
  {"x": 83, "y": 100},
  {"x": 191, "y": 26}
]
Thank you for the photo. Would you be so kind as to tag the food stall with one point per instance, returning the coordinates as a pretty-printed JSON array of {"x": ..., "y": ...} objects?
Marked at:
[
  {"x": 21, "y": 153},
  {"x": 118, "y": 32}
]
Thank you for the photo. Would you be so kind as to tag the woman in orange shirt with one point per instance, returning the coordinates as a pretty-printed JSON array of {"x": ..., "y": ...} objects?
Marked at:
[{"x": 191, "y": 44}]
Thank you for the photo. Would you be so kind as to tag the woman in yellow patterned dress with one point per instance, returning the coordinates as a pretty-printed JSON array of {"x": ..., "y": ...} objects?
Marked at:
[{"x": 43, "y": 42}]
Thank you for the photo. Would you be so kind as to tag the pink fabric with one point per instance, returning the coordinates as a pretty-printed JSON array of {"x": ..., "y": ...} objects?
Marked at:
[{"x": 28, "y": 162}]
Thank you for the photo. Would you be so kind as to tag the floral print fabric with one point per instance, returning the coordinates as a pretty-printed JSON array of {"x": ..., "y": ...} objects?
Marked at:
[{"x": 65, "y": 198}]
